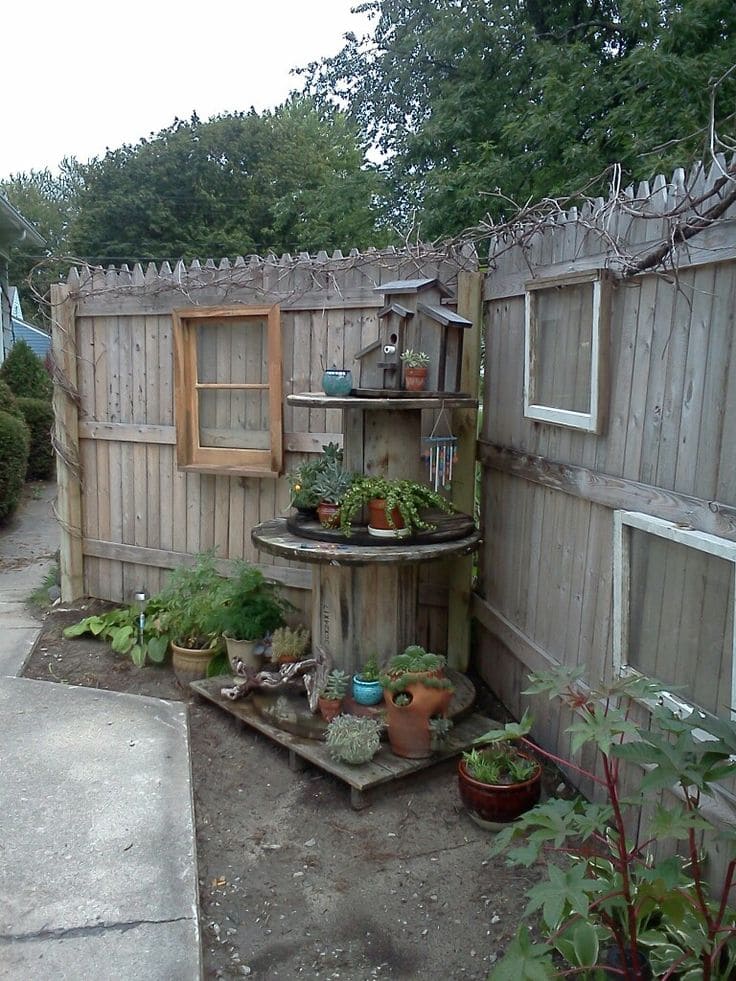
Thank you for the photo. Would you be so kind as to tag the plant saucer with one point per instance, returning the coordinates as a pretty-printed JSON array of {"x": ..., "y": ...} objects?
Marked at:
[{"x": 389, "y": 532}]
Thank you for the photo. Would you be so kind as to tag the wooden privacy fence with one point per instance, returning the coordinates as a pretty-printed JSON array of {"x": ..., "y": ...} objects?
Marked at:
[
  {"x": 609, "y": 426},
  {"x": 130, "y": 509}
]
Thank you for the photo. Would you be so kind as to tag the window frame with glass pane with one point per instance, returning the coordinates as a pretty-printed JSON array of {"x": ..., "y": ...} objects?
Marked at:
[
  {"x": 625, "y": 524},
  {"x": 191, "y": 386},
  {"x": 564, "y": 286}
]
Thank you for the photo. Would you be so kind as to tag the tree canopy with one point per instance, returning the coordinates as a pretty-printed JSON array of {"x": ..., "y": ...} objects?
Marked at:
[
  {"x": 533, "y": 97},
  {"x": 290, "y": 180}
]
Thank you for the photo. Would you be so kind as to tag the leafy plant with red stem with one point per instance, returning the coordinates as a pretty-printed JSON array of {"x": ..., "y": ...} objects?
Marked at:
[{"x": 612, "y": 908}]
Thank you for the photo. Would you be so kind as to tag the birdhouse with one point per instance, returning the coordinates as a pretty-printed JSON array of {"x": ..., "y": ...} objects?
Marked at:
[{"x": 415, "y": 316}]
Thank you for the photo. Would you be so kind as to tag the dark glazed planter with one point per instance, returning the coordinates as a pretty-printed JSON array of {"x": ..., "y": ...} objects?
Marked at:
[
  {"x": 497, "y": 803},
  {"x": 328, "y": 514}
]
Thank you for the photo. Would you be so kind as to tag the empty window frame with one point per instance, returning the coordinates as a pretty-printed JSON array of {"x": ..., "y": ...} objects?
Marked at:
[
  {"x": 673, "y": 606},
  {"x": 228, "y": 389},
  {"x": 565, "y": 349}
]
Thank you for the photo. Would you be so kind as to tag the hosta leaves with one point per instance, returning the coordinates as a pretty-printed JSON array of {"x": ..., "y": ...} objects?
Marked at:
[{"x": 157, "y": 647}]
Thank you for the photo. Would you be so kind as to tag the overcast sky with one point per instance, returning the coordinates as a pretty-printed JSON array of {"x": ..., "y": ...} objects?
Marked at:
[{"x": 81, "y": 77}]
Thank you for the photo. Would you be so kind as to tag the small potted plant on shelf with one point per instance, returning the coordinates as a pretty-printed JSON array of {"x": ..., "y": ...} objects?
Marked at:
[
  {"x": 353, "y": 739},
  {"x": 415, "y": 691},
  {"x": 498, "y": 782},
  {"x": 330, "y": 486},
  {"x": 188, "y": 601},
  {"x": 304, "y": 497},
  {"x": 331, "y": 696},
  {"x": 416, "y": 367},
  {"x": 289, "y": 644},
  {"x": 367, "y": 687},
  {"x": 395, "y": 505},
  {"x": 249, "y": 608}
]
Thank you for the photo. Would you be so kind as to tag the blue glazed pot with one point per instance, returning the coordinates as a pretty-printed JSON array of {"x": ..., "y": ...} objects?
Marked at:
[
  {"x": 337, "y": 381},
  {"x": 367, "y": 692}
]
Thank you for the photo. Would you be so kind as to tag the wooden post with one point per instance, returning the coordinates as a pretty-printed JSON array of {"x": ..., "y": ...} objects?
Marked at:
[
  {"x": 464, "y": 424},
  {"x": 66, "y": 440}
]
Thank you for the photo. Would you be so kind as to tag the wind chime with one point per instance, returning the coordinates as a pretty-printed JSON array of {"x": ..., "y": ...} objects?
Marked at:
[{"x": 439, "y": 452}]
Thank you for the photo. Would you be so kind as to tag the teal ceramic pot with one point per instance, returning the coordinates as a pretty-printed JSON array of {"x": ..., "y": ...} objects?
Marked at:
[
  {"x": 337, "y": 381},
  {"x": 367, "y": 692}
]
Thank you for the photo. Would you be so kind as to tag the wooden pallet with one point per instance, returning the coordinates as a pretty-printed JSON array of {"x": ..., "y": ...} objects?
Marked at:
[{"x": 384, "y": 768}]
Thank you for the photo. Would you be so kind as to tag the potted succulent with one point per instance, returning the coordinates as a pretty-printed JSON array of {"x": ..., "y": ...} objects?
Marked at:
[
  {"x": 415, "y": 691},
  {"x": 395, "y": 505},
  {"x": 498, "y": 783},
  {"x": 367, "y": 687},
  {"x": 249, "y": 608},
  {"x": 416, "y": 367},
  {"x": 188, "y": 601},
  {"x": 289, "y": 644},
  {"x": 353, "y": 739},
  {"x": 330, "y": 485},
  {"x": 301, "y": 481},
  {"x": 331, "y": 696}
]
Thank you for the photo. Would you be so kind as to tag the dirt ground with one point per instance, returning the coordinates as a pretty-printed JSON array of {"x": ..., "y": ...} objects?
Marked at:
[{"x": 293, "y": 882}]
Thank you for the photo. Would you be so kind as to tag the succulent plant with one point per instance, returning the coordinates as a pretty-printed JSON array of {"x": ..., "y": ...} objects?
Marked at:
[
  {"x": 415, "y": 359},
  {"x": 335, "y": 686},
  {"x": 353, "y": 739},
  {"x": 288, "y": 643}
]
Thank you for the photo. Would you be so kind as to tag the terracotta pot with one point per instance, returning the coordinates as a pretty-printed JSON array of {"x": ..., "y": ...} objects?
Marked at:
[
  {"x": 408, "y": 725},
  {"x": 243, "y": 650},
  {"x": 379, "y": 520},
  {"x": 497, "y": 803},
  {"x": 329, "y": 707},
  {"x": 190, "y": 665},
  {"x": 328, "y": 514},
  {"x": 415, "y": 379}
]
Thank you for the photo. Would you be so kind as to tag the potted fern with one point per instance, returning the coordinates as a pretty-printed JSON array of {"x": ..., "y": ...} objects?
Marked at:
[
  {"x": 395, "y": 506},
  {"x": 249, "y": 608}
]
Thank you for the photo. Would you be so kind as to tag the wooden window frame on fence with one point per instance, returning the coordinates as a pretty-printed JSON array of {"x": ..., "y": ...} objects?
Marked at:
[
  {"x": 593, "y": 420},
  {"x": 722, "y": 548},
  {"x": 190, "y": 455}
]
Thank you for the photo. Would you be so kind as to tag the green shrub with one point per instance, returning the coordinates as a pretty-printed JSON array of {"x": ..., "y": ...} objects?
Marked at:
[
  {"x": 8, "y": 401},
  {"x": 39, "y": 417},
  {"x": 15, "y": 441},
  {"x": 25, "y": 373}
]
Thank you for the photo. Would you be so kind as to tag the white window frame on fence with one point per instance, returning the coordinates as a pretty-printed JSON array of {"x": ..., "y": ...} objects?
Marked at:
[
  {"x": 592, "y": 420},
  {"x": 722, "y": 548},
  {"x": 190, "y": 454}
]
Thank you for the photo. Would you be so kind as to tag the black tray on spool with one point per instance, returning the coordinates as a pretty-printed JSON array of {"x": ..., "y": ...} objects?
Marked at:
[{"x": 449, "y": 527}]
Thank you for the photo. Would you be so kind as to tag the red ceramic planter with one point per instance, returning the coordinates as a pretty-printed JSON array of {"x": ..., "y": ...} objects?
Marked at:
[{"x": 498, "y": 803}]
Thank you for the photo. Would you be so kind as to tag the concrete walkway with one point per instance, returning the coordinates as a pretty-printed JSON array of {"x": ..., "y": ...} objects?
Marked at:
[{"x": 99, "y": 873}]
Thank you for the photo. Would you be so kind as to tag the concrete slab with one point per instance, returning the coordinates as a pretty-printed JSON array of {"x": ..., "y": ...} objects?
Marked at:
[
  {"x": 16, "y": 644},
  {"x": 98, "y": 855}
]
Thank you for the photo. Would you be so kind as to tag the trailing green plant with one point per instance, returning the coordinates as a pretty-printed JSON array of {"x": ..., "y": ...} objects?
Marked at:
[
  {"x": 408, "y": 497},
  {"x": 188, "y": 601},
  {"x": 39, "y": 417},
  {"x": 415, "y": 359},
  {"x": 370, "y": 670},
  {"x": 335, "y": 686},
  {"x": 353, "y": 739},
  {"x": 302, "y": 480},
  {"x": 15, "y": 441},
  {"x": 499, "y": 765},
  {"x": 25, "y": 373},
  {"x": 610, "y": 891},
  {"x": 291, "y": 643},
  {"x": 121, "y": 628},
  {"x": 248, "y": 606}
]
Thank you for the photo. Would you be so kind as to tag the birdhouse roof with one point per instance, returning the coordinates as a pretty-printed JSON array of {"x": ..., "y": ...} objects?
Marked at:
[
  {"x": 444, "y": 315},
  {"x": 397, "y": 309},
  {"x": 412, "y": 286}
]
